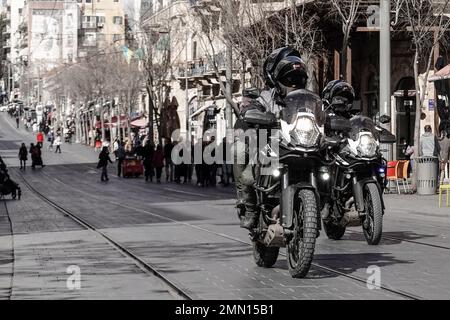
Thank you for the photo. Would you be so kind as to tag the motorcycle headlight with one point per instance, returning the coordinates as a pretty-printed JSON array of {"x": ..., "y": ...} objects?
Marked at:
[
  {"x": 306, "y": 132},
  {"x": 367, "y": 146}
]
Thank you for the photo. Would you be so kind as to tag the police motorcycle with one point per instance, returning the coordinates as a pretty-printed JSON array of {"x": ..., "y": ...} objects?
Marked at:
[
  {"x": 288, "y": 201},
  {"x": 357, "y": 175}
]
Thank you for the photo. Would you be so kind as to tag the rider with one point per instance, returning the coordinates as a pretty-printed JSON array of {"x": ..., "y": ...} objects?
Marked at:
[
  {"x": 341, "y": 95},
  {"x": 284, "y": 71}
]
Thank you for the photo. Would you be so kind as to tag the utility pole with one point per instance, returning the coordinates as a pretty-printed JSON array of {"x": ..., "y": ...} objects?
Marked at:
[
  {"x": 385, "y": 64},
  {"x": 188, "y": 130},
  {"x": 229, "y": 76}
]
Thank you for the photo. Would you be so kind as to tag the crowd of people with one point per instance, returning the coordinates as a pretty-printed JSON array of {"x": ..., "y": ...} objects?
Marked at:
[{"x": 157, "y": 161}]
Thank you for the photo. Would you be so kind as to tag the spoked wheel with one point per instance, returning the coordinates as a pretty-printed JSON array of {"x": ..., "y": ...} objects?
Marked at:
[
  {"x": 300, "y": 249},
  {"x": 373, "y": 224},
  {"x": 264, "y": 256}
]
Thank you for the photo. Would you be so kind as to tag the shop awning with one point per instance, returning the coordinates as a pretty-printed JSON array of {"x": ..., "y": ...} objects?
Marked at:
[
  {"x": 442, "y": 74},
  {"x": 140, "y": 123}
]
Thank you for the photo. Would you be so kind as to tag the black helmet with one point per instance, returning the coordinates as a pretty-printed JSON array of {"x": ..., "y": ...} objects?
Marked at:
[
  {"x": 338, "y": 92},
  {"x": 284, "y": 67}
]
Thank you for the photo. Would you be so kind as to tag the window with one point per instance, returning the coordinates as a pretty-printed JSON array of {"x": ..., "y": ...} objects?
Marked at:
[
  {"x": 117, "y": 37},
  {"x": 117, "y": 20}
]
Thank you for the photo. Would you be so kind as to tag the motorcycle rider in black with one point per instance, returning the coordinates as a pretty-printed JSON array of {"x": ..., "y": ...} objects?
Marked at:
[{"x": 284, "y": 71}]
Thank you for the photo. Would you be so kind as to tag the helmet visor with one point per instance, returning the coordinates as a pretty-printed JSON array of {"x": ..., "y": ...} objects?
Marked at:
[{"x": 293, "y": 79}]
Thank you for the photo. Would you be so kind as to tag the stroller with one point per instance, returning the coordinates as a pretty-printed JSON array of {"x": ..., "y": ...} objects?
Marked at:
[{"x": 8, "y": 186}]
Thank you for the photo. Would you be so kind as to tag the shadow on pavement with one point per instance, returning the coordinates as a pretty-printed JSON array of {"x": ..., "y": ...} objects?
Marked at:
[
  {"x": 390, "y": 238},
  {"x": 348, "y": 263}
]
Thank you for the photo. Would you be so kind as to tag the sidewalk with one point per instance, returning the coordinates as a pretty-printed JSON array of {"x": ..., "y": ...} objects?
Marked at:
[
  {"x": 11, "y": 139},
  {"x": 413, "y": 204}
]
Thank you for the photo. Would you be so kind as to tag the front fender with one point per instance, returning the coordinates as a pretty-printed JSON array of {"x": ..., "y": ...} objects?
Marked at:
[
  {"x": 358, "y": 193},
  {"x": 288, "y": 196}
]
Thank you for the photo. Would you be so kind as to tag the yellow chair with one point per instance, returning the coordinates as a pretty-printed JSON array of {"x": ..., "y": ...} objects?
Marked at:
[{"x": 443, "y": 187}]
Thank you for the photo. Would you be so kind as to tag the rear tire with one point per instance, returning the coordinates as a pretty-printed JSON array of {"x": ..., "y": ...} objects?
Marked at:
[
  {"x": 264, "y": 256},
  {"x": 300, "y": 249},
  {"x": 374, "y": 214}
]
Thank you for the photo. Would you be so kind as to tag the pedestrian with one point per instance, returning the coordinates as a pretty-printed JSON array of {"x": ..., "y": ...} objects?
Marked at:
[
  {"x": 40, "y": 139},
  {"x": 158, "y": 162},
  {"x": 103, "y": 163},
  {"x": 226, "y": 166},
  {"x": 116, "y": 147},
  {"x": 148, "y": 153},
  {"x": 36, "y": 156},
  {"x": 58, "y": 143},
  {"x": 198, "y": 148},
  {"x": 168, "y": 147},
  {"x": 23, "y": 156},
  {"x": 50, "y": 139},
  {"x": 17, "y": 121},
  {"x": 444, "y": 144},
  {"x": 120, "y": 158}
]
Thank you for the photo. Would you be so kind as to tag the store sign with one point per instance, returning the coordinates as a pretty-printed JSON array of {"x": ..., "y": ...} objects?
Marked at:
[{"x": 431, "y": 105}]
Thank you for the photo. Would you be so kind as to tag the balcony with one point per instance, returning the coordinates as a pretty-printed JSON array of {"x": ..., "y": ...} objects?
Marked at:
[{"x": 89, "y": 25}]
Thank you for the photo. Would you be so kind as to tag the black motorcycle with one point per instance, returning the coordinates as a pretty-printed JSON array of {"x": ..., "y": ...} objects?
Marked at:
[
  {"x": 287, "y": 199},
  {"x": 357, "y": 176}
]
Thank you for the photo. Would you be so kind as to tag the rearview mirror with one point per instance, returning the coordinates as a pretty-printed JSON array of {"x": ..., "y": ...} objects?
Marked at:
[
  {"x": 255, "y": 116},
  {"x": 387, "y": 137},
  {"x": 385, "y": 119}
]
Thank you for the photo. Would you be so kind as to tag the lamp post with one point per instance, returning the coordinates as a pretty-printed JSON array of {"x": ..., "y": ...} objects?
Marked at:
[{"x": 385, "y": 64}]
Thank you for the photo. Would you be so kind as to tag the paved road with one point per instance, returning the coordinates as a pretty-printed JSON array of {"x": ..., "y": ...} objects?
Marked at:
[{"x": 191, "y": 235}]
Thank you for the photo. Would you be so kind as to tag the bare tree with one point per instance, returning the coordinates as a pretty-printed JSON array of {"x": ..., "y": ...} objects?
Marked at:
[
  {"x": 428, "y": 25},
  {"x": 346, "y": 12}
]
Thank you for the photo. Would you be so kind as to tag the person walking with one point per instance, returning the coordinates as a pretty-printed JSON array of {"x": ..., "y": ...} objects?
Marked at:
[
  {"x": 103, "y": 163},
  {"x": 58, "y": 143},
  {"x": 23, "y": 156},
  {"x": 40, "y": 139},
  {"x": 36, "y": 156},
  {"x": 50, "y": 139},
  {"x": 158, "y": 162},
  {"x": 120, "y": 154},
  {"x": 168, "y": 147},
  {"x": 148, "y": 153},
  {"x": 17, "y": 121}
]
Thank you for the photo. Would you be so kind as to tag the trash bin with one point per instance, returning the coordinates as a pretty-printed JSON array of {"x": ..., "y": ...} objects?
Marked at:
[{"x": 427, "y": 170}]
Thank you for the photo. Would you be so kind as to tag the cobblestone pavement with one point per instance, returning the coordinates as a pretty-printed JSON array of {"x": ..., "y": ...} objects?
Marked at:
[{"x": 192, "y": 236}]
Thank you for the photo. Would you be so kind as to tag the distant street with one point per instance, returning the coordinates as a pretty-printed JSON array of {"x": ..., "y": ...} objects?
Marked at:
[{"x": 191, "y": 236}]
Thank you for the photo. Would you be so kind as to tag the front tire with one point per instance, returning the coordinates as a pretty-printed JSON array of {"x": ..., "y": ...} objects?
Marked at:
[
  {"x": 373, "y": 225},
  {"x": 300, "y": 249},
  {"x": 264, "y": 256}
]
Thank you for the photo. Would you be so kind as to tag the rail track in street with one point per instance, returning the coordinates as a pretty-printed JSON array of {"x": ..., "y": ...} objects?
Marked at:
[
  {"x": 143, "y": 265},
  {"x": 178, "y": 288}
]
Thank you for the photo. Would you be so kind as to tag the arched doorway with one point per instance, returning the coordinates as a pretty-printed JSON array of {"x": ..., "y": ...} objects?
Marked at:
[{"x": 405, "y": 105}]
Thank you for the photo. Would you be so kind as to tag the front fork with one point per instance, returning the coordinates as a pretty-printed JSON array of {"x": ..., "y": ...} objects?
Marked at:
[{"x": 288, "y": 193}]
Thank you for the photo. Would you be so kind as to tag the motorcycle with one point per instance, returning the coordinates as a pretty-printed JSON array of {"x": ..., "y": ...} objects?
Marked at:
[
  {"x": 287, "y": 198},
  {"x": 355, "y": 191}
]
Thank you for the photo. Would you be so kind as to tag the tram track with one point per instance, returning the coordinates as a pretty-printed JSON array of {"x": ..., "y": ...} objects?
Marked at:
[
  {"x": 403, "y": 294},
  {"x": 143, "y": 265}
]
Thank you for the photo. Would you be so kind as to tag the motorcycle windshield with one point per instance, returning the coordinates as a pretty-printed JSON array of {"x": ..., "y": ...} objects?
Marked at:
[
  {"x": 302, "y": 101},
  {"x": 362, "y": 123}
]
